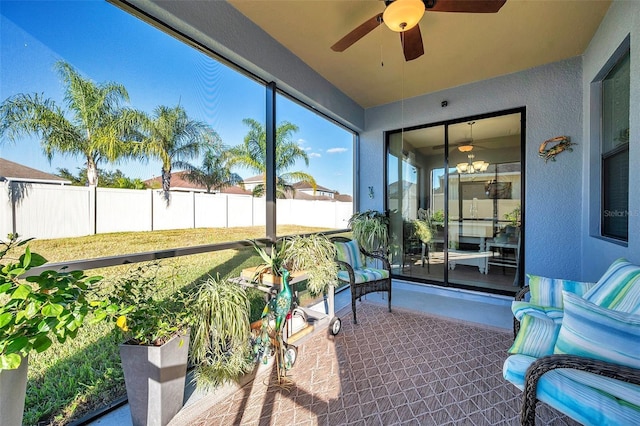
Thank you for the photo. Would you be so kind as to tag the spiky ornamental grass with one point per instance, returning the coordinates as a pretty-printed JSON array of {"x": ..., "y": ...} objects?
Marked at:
[
  {"x": 220, "y": 343},
  {"x": 314, "y": 254},
  {"x": 370, "y": 229}
]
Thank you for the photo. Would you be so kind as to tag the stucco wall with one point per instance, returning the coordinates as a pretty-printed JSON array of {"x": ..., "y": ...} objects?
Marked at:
[
  {"x": 622, "y": 19},
  {"x": 552, "y": 95}
]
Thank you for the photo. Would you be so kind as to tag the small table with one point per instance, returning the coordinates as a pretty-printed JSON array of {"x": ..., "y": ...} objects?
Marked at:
[{"x": 470, "y": 258}]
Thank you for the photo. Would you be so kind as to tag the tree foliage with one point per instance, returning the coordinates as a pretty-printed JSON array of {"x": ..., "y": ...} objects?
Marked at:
[
  {"x": 252, "y": 155},
  {"x": 94, "y": 125},
  {"x": 106, "y": 179},
  {"x": 215, "y": 170},
  {"x": 173, "y": 138}
]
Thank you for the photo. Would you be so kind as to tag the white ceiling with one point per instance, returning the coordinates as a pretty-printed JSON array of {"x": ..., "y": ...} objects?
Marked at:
[{"x": 460, "y": 48}]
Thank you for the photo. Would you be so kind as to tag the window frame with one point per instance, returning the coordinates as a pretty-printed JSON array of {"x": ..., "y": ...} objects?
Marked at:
[{"x": 599, "y": 211}]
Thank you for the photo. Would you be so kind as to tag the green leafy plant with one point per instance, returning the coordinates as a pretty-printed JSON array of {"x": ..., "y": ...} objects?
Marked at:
[
  {"x": 39, "y": 308},
  {"x": 143, "y": 318},
  {"x": 272, "y": 261},
  {"x": 438, "y": 216},
  {"x": 422, "y": 230},
  {"x": 513, "y": 216},
  {"x": 314, "y": 254},
  {"x": 370, "y": 229},
  {"x": 220, "y": 336}
]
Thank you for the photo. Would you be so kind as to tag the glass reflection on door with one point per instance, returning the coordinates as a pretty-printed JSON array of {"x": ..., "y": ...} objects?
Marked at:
[
  {"x": 416, "y": 208},
  {"x": 457, "y": 225}
]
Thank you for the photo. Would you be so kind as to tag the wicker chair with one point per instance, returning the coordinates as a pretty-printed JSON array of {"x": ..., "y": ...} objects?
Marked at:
[
  {"x": 363, "y": 279},
  {"x": 551, "y": 362}
]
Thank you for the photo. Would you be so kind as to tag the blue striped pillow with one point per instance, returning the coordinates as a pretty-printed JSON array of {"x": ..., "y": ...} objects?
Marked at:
[
  {"x": 595, "y": 332},
  {"x": 536, "y": 337},
  {"x": 548, "y": 291},
  {"x": 364, "y": 275},
  {"x": 619, "y": 288},
  {"x": 349, "y": 253}
]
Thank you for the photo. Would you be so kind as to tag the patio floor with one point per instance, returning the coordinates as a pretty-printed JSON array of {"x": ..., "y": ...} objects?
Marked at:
[{"x": 404, "y": 367}]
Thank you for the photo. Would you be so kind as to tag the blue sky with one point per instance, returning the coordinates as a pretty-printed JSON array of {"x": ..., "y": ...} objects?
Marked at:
[{"x": 105, "y": 43}]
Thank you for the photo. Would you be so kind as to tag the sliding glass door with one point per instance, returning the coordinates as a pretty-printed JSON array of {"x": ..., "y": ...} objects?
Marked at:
[{"x": 454, "y": 192}]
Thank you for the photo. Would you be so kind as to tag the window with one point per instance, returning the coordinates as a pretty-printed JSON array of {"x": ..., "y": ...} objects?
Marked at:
[
  {"x": 159, "y": 70},
  {"x": 615, "y": 151},
  {"x": 195, "y": 228}
]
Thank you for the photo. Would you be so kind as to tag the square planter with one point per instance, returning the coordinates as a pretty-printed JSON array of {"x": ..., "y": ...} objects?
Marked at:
[
  {"x": 13, "y": 390},
  {"x": 270, "y": 279},
  {"x": 155, "y": 379}
]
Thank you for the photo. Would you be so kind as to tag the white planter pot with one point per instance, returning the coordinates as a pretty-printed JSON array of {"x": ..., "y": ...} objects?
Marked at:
[
  {"x": 13, "y": 390},
  {"x": 155, "y": 380}
]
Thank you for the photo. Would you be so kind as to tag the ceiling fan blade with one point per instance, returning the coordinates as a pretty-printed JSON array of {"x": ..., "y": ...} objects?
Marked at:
[
  {"x": 359, "y": 32},
  {"x": 469, "y": 6},
  {"x": 412, "y": 43}
]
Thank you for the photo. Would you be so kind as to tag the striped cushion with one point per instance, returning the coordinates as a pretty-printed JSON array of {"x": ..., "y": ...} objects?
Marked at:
[
  {"x": 618, "y": 289},
  {"x": 548, "y": 291},
  {"x": 364, "y": 275},
  {"x": 349, "y": 253},
  {"x": 520, "y": 308},
  {"x": 588, "y": 398},
  {"x": 536, "y": 337},
  {"x": 595, "y": 332}
]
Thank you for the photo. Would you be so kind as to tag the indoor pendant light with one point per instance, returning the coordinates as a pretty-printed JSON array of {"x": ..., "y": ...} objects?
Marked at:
[
  {"x": 402, "y": 15},
  {"x": 468, "y": 147},
  {"x": 472, "y": 166}
]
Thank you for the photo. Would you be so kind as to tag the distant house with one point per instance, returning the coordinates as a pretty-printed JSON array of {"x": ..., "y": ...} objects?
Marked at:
[
  {"x": 303, "y": 190},
  {"x": 252, "y": 182},
  {"x": 180, "y": 183},
  {"x": 320, "y": 191},
  {"x": 14, "y": 172}
]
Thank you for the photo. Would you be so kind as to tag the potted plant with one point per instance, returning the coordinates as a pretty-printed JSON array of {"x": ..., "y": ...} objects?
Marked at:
[
  {"x": 221, "y": 337},
  {"x": 268, "y": 271},
  {"x": 315, "y": 255},
  {"x": 422, "y": 230},
  {"x": 156, "y": 344},
  {"x": 512, "y": 229},
  {"x": 312, "y": 255},
  {"x": 371, "y": 230},
  {"x": 33, "y": 312}
]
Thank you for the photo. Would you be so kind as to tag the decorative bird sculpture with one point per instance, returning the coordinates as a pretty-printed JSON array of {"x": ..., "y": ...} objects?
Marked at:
[
  {"x": 275, "y": 312},
  {"x": 283, "y": 301}
]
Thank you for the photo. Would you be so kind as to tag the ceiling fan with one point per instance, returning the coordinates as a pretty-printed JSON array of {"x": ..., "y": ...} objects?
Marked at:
[
  {"x": 464, "y": 145},
  {"x": 403, "y": 16}
]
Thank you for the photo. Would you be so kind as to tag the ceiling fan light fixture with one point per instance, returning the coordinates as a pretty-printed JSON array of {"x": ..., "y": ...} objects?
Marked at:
[
  {"x": 465, "y": 148},
  {"x": 402, "y": 15}
]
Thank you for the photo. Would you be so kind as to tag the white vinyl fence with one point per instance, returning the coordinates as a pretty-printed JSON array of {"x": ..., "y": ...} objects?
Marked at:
[{"x": 56, "y": 211}]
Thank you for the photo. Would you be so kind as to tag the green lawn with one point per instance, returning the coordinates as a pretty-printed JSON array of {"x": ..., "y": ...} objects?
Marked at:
[{"x": 69, "y": 380}]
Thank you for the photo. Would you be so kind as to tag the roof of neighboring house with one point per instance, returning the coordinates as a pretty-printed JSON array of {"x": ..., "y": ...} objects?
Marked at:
[
  {"x": 254, "y": 179},
  {"x": 180, "y": 183},
  {"x": 305, "y": 186},
  {"x": 345, "y": 198},
  {"x": 17, "y": 172},
  {"x": 301, "y": 186}
]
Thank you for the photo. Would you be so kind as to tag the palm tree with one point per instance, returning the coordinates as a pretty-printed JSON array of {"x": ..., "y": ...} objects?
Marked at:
[
  {"x": 173, "y": 138},
  {"x": 252, "y": 154},
  {"x": 215, "y": 172},
  {"x": 95, "y": 125}
]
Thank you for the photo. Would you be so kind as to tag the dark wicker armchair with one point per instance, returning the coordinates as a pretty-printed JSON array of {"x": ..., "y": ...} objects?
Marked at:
[
  {"x": 519, "y": 296},
  {"x": 551, "y": 362},
  {"x": 365, "y": 280}
]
